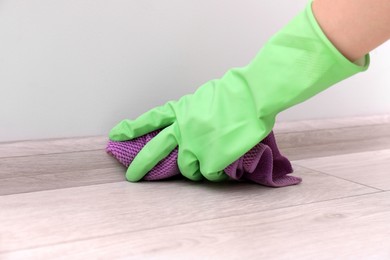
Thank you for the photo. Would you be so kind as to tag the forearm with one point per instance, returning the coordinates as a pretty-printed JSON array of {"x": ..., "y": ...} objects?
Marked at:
[{"x": 355, "y": 27}]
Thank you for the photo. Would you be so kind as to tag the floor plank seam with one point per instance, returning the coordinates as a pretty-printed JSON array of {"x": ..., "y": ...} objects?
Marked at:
[
  {"x": 54, "y": 139},
  {"x": 296, "y": 161},
  {"x": 55, "y": 153},
  {"x": 55, "y": 189},
  {"x": 338, "y": 177}
]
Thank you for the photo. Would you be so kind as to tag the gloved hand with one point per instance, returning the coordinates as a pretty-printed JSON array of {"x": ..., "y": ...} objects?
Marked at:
[
  {"x": 226, "y": 117},
  {"x": 263, "y": 164}
]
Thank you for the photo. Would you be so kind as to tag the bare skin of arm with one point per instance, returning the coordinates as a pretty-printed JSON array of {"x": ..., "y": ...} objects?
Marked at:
[{"x": 355, "y": 27}]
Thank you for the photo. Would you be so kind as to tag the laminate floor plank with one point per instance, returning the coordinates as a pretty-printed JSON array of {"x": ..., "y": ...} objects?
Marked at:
[
  {"x": 70, "y": 169},
  {"x": 67, "y": 198},
  {"x": 350, "y": 228},
  {"x": 55, "y": 171},
  {"x": 370, "y": 168},
  {"x": 63, "y": 215},
  {"x": 52, "y": 181},
  {"x": 55, "y": 163},
  {"x": 49, "y": 146}
]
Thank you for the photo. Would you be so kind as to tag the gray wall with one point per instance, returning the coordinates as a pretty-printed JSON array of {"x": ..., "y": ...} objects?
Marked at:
[{"x": 78, "y": 67}]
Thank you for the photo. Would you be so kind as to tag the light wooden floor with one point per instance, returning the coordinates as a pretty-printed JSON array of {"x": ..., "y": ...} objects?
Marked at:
[{"x": 66, "y": 198}]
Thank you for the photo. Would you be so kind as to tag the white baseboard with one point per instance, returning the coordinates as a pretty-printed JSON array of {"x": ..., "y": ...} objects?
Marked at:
[{"x": 332, "y": 123}]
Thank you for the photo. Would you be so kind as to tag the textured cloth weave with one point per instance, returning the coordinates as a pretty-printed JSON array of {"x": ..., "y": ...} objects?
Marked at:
[{"x": 263, "y": 164}]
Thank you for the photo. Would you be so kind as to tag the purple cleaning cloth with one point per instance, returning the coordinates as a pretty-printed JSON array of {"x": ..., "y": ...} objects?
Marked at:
[{"x": 263, "y": 164}]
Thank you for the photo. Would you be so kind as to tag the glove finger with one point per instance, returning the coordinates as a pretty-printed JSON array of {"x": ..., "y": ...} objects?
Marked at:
[
  {"x": 189, "y": 168},
  {"x": 189, "y": 165},
  {"x": 151, "y": 154},
  {"x": 216, "y": 176},
  {"x": 156, "y": 118},
  {"x": 211, "y": 173}
]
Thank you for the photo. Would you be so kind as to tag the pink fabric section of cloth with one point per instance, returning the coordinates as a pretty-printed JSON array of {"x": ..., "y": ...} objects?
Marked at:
[{"x": 263, "y": 164}]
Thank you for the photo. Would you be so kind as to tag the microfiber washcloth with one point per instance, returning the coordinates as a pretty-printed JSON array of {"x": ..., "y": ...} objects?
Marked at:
[{"x": 263, "y": 164}]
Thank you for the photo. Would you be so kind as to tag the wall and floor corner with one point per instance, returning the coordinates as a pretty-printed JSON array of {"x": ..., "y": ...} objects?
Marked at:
[{"x": 76, "y": 68}]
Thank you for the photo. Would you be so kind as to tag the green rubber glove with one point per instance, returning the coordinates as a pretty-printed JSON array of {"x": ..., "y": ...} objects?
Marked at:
[{"x": 226, "y": 117}]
